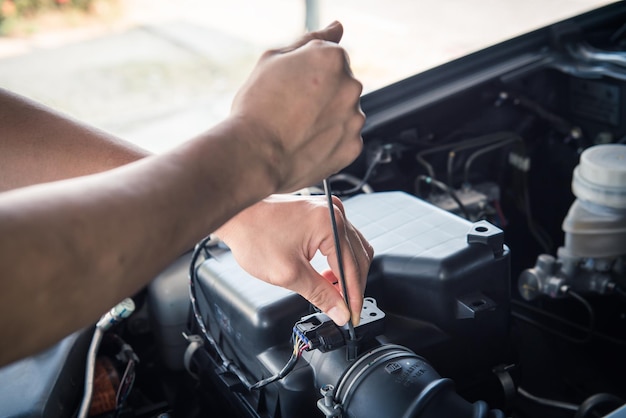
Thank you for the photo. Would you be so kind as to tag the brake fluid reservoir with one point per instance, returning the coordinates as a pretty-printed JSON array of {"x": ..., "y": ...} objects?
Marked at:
[{"x": 595, "y": 225}]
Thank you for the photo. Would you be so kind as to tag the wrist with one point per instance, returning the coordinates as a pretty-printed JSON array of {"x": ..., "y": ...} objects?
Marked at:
[
  {"x": 230, "y": 164},
  {"x": 262, "y": 155}
]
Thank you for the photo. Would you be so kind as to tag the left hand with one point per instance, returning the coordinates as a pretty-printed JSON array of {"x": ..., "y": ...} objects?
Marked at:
[{"x": 275, "y": 240}]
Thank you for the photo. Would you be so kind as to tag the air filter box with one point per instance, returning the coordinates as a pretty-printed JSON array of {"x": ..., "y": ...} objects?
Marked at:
[{"x": 442, "y": 282}]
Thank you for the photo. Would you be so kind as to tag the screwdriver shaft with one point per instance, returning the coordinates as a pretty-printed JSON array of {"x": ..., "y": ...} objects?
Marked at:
[{"x": 342, "y": 277}]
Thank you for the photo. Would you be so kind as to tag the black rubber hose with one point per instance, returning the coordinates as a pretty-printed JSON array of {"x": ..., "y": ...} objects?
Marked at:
[{"x": 606, "y": 400}]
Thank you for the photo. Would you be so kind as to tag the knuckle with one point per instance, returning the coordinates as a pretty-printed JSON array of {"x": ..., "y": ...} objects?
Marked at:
[
  {"x": 336, "y": 58},
  {"x": 286, "y": 277},
  {"x": 354, "y": 145},
  {"x": 350, "y": 93},
  {"x": 315, "y": 42},
  {"x": 359, "y": 118},
  {"x": 358, "y": 86}
]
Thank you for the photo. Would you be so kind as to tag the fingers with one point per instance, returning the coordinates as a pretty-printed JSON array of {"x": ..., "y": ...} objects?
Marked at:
[
  {"x": 322, "y": 293},
  {"x": 331, "y": 33},
  {"x": 359, "y": 260},
  {"x": 302, "y": 103},
  {"x": 357, "y": 255},
  {"x": 325, "y": 290},
  {"x": 276, "y": 239}
]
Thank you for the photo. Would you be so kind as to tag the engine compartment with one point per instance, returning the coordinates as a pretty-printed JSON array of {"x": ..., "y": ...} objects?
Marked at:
[
  {"x": 482, "y": 151},
  {"x": 453, "y": 309}
]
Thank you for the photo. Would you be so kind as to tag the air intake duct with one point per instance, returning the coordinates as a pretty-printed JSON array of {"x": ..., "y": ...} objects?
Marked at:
[{"x": 389, "y": 381}]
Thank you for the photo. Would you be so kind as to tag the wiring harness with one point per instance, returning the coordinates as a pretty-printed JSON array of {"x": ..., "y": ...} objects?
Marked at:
[{"x": 299, "y": 345}]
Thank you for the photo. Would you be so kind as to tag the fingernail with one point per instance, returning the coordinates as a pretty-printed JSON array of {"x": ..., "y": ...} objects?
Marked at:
[
  {"x": 339, "y": 316},
  {"x": 332, "y": 25}
]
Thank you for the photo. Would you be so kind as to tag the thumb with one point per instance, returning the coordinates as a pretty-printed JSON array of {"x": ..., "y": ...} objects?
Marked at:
[
  {"x": 320, "y": 292},
  {"x": 331, "y": 33}
]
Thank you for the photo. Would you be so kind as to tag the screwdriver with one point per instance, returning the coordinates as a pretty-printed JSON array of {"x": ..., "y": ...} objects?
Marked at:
[{"x": 352, "y": 342}]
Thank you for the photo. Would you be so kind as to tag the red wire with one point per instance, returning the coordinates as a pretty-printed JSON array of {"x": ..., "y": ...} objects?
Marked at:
[{"x": 304, "y": 347}]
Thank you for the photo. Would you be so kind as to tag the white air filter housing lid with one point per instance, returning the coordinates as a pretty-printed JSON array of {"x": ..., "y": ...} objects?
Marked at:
[{"x": 600, "y": 177}]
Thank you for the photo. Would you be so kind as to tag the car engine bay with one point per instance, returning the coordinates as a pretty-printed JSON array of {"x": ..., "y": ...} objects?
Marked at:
[{"x": 493, "y": 190}]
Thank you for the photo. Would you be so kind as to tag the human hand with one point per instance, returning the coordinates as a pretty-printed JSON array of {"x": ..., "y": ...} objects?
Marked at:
[
  {"x": 301, "y": 108},
  {"x": 275, "y": 239}
]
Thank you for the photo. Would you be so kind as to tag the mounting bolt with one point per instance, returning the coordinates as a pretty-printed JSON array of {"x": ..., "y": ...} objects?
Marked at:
[{"x": 327, "y": 393}]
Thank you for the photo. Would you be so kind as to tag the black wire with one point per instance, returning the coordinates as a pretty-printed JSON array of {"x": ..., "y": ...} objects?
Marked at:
[
  {"x": 474, "y": 142},
  {"x": 594, "y": 401},
  {"x": 363, "y": 182},
  {"x": 547, "y": 402},
  {"x": 489, "y": 139},
  {"x": 284, "y": 372},
  {"x": 589, "y": 308},
  {"x": 588, "y": 331},
  {"x": 560, "y": 124},
  {"x": 200, "y": 247},
  {"x": 547, "y": 329},
  {"x": 226, "y": 362},
  {"x": 566, "y": 322},
  {"x": 444, "y": 187},
  {"x": 126, "y": 385},
  {"x": 484, "y": 150},
  {"x": 536, "y": 231}
]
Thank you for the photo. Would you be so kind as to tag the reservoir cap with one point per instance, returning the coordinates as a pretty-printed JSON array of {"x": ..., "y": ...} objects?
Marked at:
[{"x": 600, "y": 177}]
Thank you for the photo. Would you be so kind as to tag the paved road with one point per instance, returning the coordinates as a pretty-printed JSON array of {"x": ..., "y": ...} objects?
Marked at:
[{"x": 165, "y": 70}]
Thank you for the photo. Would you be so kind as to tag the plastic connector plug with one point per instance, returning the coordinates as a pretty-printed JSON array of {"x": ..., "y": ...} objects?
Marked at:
[
  {"x": 318, "y": 331},
  {"x": 119, "y": 312}
]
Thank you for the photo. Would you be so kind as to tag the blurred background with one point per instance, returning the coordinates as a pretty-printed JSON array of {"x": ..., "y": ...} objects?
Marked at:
[{"x": 157, "y": 72}]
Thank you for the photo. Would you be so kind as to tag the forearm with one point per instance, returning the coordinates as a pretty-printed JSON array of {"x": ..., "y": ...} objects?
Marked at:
[
  {"x": 37, "y": 145},
  {"x": 79, "y": 244},
  {"x": 70, "y": 249}
]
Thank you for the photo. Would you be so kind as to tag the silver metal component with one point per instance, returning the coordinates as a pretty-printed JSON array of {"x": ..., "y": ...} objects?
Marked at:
[
  {"x": 119, "y": 312},
  {"x": 327, "y": 393},
  {"x": 593, "y": 255},
  {"x": 587, "y": 52},
  {"x": 553, "y": 277},
  {"x": 588, "y": 70},
  {"x": 541, "y": 279},
  {"x": 327, "y": 404},
  {"x": 195, "y": 342},
  {"x": 353, "y": 180}
]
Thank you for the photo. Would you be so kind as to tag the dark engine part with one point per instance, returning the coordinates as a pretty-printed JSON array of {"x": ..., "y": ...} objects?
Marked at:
[
  {"x": 496, "y": 136},
  {"x": 389, "y": 381},
  {"x": 319, "y": 332},
  {"x": 442, "y": 282},
  {"x": 48, "y": 384}
]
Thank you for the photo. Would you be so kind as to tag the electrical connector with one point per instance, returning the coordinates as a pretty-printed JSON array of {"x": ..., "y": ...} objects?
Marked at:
[
  {"x": 319, "y": 332},
  {"x": 119, "y": 312}
]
